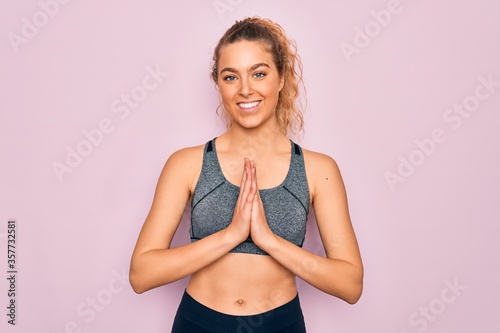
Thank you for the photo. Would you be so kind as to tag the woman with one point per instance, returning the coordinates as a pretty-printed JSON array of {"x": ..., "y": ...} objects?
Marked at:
[{"x": 251, "y": 190}]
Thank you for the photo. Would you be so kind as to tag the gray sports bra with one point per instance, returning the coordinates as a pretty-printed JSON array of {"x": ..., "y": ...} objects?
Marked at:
[{"x": 214, "y": 198}]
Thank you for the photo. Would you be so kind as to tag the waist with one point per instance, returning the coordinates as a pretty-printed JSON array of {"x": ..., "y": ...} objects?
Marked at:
[
  {"x": 278, "y": 319},
  {"x": 243, "y": 284}
]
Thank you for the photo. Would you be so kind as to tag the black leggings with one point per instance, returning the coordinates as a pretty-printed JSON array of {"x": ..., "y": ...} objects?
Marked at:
[{"x": 194, "y": 317}]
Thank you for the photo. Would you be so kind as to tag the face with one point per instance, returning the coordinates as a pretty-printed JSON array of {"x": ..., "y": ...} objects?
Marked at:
[{"x": 249, "y": 84}]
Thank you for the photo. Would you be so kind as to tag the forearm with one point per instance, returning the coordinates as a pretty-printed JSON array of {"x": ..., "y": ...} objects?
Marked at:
[
  {"x": 158, "y": 267},
  {"x": 336, "y": 277}
]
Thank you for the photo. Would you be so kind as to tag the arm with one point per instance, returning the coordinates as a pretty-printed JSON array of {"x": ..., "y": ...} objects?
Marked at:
[
  {"x": 341, "y": 273},
  {"x": 153, "y": 262}
]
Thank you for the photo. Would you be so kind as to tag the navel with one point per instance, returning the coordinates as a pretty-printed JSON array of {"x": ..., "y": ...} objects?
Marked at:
[{"x": 240, "y": 302}]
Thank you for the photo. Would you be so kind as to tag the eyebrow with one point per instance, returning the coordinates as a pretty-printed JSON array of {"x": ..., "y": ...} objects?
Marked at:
[{"x": 233, "y": 70}]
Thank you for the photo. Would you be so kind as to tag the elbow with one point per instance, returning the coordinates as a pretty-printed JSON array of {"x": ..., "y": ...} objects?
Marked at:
[
  {"x": 354, "y": 297},
  {"x": 350, "y": 293},
  {"x": 137, "y": 278},
  {"x": 136, "y": 282},
  {"x": 354, "y": 293},
  {"x": 137, "y": 288},
  {"x": 356, "y": 287}
]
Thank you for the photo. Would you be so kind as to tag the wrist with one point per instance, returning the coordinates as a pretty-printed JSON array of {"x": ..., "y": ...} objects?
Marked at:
[
  {"x": 232, "y": 237},
  {"x": 266, "y": 242}
]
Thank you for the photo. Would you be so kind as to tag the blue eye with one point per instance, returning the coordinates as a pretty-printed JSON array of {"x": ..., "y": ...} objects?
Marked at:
[
  {"x": 229, "y": 78},
  {"x": 260, "y": 75}
]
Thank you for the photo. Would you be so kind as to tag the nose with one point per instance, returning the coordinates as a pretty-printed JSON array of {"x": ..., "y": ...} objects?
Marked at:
[{"x": 245, "y": 88}]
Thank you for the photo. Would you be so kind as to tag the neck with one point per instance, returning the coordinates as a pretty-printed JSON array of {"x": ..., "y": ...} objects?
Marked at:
[{"x": 263, "y": 138}]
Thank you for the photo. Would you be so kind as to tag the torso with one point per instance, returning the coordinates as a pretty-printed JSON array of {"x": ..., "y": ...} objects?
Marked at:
[
  {"x": 243, "y": 284},
  {"x": 240, "y": 283}
]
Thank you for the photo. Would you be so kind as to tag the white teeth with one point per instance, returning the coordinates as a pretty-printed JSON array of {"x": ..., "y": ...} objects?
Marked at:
[{"x": 248, "y": 105}]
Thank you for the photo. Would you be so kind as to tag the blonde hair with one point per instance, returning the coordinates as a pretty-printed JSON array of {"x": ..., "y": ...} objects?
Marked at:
[{"x": 286, "y": 59}]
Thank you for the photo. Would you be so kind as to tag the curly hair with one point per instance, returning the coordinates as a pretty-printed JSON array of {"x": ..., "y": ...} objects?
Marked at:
[{"x": 286, "y": 59}]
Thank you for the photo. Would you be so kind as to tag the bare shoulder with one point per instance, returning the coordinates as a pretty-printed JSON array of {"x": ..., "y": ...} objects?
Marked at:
[
  {"x": 319, "y": 162},
  {"x": 184, "y": 165},
  {"x": 187, "y": 156},
  {"x": 321, "y": 170}
]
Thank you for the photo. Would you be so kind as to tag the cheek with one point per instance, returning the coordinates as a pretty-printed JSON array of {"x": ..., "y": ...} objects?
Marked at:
[
  {"x": 271, "y": 90},
  {"x": 226, "y": 94},
  {"x": 223, "y": 90}
]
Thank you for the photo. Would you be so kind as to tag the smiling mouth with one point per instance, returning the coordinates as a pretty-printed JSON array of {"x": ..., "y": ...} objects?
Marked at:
[{"x": 248, "y": 106}]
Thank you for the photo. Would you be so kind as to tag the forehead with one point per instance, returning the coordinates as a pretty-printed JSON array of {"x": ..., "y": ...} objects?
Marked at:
[{"x": 244, "y": 54}]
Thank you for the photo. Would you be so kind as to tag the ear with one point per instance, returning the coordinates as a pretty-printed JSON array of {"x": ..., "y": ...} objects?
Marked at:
[{"x": 282, "y": 82}]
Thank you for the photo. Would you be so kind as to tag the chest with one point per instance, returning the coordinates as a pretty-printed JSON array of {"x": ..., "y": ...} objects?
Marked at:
[{"x": 271, "y": 170}]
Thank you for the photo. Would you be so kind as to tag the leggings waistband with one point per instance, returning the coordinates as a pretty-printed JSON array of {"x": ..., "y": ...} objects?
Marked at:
[{"x": 209, "y": 320}]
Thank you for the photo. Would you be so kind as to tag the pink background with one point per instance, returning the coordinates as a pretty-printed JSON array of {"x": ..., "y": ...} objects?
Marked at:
[{"x": 428, "y": 239}]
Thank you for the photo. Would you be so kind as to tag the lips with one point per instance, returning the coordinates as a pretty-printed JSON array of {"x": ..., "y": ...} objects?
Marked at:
[{"x": 248, "y": 106}]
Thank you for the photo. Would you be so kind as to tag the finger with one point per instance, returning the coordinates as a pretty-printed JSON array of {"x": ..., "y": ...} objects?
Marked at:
[
  {"x": 246, "y": 183},
  {"x": 254, "y": 180},
  {"x": 243, "y": 179},
  {"x": 253, "y": 184}
]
